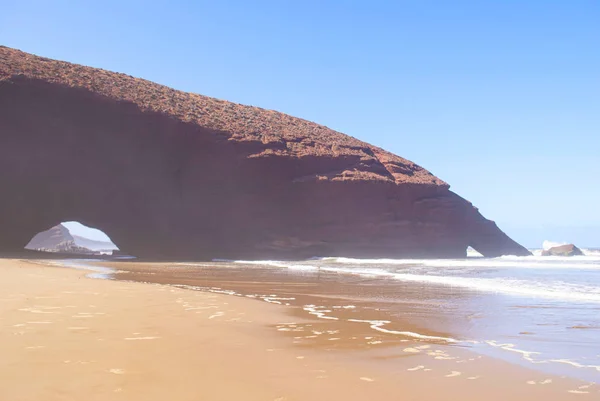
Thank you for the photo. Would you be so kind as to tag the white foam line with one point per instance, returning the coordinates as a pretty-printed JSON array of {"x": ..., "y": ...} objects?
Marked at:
[
  {"x": 529, "y": 262},
  {"x": 275, "y": 263},
  {"x": 375, "y": 325},
  {"x": 312, "y": 309},
  {"x": 273, "y": 299},
  {"x": 575, "y": 364},
  {"x": 511, "y": 347},
  {"x": 378, "y": 325},
  {"x": 527, "y": 355}
]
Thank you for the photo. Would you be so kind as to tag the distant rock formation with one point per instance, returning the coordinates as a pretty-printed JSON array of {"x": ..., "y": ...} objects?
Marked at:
[
  {"x": 58, "y": 239},
  {"x": 563, "y": 250},
  {"x": 175, "y": 175},
  {"x": 95, "y": 245}
]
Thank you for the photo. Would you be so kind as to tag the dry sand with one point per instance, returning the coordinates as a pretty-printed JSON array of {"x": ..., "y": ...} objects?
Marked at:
[{"x": 64, "y": 336}]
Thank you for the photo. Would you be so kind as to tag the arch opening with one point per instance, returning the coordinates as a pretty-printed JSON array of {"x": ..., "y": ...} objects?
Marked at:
[{"x": 72, "y": 237}]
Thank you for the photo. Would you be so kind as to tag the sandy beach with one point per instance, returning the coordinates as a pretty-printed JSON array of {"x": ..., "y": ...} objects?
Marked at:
[{"x": 65, "y": 336}]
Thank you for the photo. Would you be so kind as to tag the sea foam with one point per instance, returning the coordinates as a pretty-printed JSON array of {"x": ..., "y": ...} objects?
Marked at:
[{"x": 470, "y": 273}]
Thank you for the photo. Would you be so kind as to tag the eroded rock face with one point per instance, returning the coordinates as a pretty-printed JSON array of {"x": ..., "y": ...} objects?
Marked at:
[
  {"x": 563, "y": 250},
  {"x": 168, "y": 174}
]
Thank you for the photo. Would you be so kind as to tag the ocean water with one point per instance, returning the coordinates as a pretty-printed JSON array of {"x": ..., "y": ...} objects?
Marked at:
[{"x": 541, "y": 312}]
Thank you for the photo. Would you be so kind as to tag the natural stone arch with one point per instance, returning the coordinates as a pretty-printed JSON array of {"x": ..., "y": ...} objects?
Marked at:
[{"x": 168, "y": 174}]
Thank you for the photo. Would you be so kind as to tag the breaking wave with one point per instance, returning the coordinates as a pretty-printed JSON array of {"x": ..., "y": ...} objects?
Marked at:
[
  {"x": 548, "y": 277},
  {"x": 551, "y": 244}
]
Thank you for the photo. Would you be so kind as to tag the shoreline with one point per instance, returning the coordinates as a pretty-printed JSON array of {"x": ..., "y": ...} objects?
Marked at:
[
  {"x": 266, "y": 346},
  {"x": 320, "y": 296}
]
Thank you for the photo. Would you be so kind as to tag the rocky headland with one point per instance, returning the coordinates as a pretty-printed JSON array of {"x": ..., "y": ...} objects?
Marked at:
[
  {"x": 176, "y": 175},
  {"x": 563, "y": 250},
  {"x": 57, "y": 239}
]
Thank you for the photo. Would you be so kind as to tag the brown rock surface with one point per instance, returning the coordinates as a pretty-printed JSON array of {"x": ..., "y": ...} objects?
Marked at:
[
  {"x": 170, "y": 174},
  {"x": 563, "y": 250}
]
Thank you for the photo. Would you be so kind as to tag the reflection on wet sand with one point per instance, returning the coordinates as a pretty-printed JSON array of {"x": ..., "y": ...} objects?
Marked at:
[{"x": 362, "y": 312}]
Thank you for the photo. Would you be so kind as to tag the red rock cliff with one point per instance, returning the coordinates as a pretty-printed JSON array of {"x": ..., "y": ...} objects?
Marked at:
[{"x": 170, "y": 174}]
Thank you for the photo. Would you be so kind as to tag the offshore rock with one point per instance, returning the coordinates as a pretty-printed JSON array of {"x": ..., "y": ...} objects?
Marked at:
[{"x": 563, "y": 250}]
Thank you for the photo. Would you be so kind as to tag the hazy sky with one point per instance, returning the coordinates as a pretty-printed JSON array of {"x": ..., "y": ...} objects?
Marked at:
[
  {"x": 77, "y": 228},
  {"x": 499, "y": 98}
]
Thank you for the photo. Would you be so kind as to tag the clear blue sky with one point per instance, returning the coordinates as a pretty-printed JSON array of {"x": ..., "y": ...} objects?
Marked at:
[
  {"x": 77, "y": 228},
  {"x": 499, "y": 98}
]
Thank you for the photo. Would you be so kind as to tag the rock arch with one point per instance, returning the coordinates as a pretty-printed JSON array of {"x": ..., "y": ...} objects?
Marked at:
[{"x": 168, "y": 174}]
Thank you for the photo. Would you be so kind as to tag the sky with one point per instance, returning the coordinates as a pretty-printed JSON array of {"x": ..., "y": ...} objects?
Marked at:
[
  {"x": 76, "y": 228},
  {"x": 501, "y": 99}
]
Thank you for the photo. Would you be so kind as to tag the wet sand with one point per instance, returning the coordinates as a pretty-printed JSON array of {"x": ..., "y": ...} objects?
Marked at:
[{"x": 65, "y": 336}]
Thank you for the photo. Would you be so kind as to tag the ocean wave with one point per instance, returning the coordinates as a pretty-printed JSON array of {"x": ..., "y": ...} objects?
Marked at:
[
  {"x": 555, "y": 290},
  {"x": 591, "y": 252},
  {"x": 276, "y": 263},
  {"x": 389, "y": 269},
  {"x": 551, "y": 244},
  {"x": 527, "y": 262}
]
